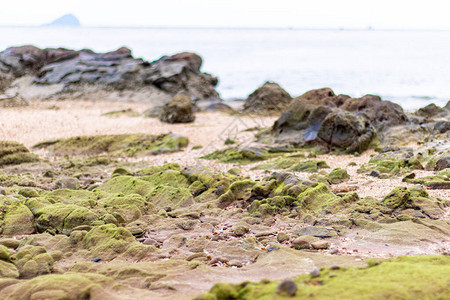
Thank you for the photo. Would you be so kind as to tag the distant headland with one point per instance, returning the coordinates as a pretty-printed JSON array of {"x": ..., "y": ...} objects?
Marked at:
[{"x": 66, "y": 20}]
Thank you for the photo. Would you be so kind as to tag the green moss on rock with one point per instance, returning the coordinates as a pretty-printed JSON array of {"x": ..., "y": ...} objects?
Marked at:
[
  {"x": 13, "y": 153},
  {"x": 15, "y": 218},
  {"x": 116, "y": 145},
  {"x": 418, "y": 277},
  {"x": 108, "y": 241}
]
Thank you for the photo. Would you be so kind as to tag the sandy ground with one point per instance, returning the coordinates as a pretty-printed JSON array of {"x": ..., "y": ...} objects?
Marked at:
[{"x": 50, "y": 120}]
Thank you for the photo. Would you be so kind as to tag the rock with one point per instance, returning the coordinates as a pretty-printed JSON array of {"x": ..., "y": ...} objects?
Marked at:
[
  {"x": 315, "y": 273},
  {"x": 235, "y": 263},
  {"x": 5, "y": 254},
  {"x": 150, "y": 242},
  {"x": 442, "y": 126},
  {"x": 287, "y": 287},
  {"x": 442, "y": 163},
  {"x": 67, "y": 183},
  {"x": 13, "y": 153},
  {"x": 375, "y": 174},
  {"x": 429, "y": 111},
  {"x": 380, "y": 112},
  {"x": 283, "y": 237},
  {"x": 337, "y": 176},
  {"x": 346, "y": 131},
  {"x": 300, "y": 244},
  {"x": 84, "y": 72},
  {"x": 240, "y": 230},
  {"x": 10, "y": 243},
  {"x": 320, "y": 245},
  {"x": 178, "y": 110},
  {"x": 8, "y": 270},
  {"x": 269, "y": 98},
  {"x": 317, "y": 231},
  {"x": 12, "y": 101}
]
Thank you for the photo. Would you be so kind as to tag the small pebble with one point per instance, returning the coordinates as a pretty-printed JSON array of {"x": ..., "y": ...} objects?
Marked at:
[
  {"x": 287, "y": 286},
  {"x": 315, "y": 273}
]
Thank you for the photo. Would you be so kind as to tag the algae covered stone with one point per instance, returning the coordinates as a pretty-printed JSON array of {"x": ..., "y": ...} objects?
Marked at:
[
  {"x": 417, "y": 277},
  {"x": 15, "y": 218},
  {"x": 13, "y": 153},
  {"x": 117, "y": 145}
]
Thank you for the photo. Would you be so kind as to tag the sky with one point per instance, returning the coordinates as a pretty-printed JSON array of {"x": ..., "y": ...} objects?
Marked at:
[{"x": 379, "y": 14}]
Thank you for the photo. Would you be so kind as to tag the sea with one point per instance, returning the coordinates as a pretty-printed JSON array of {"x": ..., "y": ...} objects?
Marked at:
[{"x": 411, "y": 68}]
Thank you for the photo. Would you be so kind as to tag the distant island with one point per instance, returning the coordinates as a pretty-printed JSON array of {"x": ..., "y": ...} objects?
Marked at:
[{"x": 66, "y": 20}]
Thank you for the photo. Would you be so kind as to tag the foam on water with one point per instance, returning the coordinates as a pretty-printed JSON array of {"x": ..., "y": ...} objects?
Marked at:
[{"x": 411, "y": 68}]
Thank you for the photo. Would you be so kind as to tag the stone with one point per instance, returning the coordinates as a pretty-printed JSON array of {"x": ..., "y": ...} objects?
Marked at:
[
  {"x": 320, "y": 245},
  {"x": 317, "y": 231},
  {"x": 240, "y": 230},
  {"x": 375, "y": 174},
  {"x": 346, "y": 131},
  {"x": 178, "y": 110},
  {"x": 429, "y": 111},
  {"x": 283, "y": 237},
  {"x": 235, "y": 263},
  {"x": 85, "y": 72},
  {"x": 315, "y": 273},
  {"x": 442, "y": 163},
  {"x": 269, "y": 98},
  {"x": 380, "y": 112},
  {"x": 300, "y": 244},
  {"x": 287, "y": 287}
]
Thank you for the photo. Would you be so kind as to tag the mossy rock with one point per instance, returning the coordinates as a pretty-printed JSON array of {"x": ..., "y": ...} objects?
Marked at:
[
  {"x": 5, "y": 254},
  {"x": 13, "y": 153},
  {"x": 440, "y": 180},
  {"x": 15, "y": 218},
  {"x": 418, "y": 277},
  {"x": 62, "y": 218},
  {"x": 61, "y": 286},
  {"x": 309, "y": 166},
  {"x": 127, "y": 185},
  {"x": 108, "y": 241},
  {"x": 157, "y": 169},
  {"x": 116, "y": 145},
  {"x": 33, "y": 261},
  {"x": 239, "y": 156},
  {"x": 8, "y": 270},
  {"x": 337, "y": 175}
]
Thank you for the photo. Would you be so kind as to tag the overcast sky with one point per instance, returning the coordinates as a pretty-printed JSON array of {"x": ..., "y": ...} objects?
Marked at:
[{"x": 403, "y": 14}]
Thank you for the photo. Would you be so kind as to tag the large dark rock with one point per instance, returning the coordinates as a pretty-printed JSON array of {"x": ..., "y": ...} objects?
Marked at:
[
  {"x": 180, "y": 109},
  {"x": 269, "y": 98},
  {"x": 380, "y": 112},
  {"x": 74, "y": 71},
  {"x": 336, "y": 121},
  {"x": 348, "y": 131}
]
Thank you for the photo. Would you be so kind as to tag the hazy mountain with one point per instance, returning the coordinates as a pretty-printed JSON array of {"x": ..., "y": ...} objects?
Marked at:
[{"x": 66, "y": 20}]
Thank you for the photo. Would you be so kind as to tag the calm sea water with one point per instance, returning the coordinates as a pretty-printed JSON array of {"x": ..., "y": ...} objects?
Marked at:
[{"x": 411, "y": 68}]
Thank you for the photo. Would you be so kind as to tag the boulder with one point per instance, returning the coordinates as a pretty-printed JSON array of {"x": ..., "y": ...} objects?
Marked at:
[
  {"x": 429, "y": 111},
  {"x": 346, "y": 131},
  {"x": 268, "y": 98},
  {"x": 180, "y": 109},
  {"x": 380, "y": 112},
  {"x": 70, "y": 71}
]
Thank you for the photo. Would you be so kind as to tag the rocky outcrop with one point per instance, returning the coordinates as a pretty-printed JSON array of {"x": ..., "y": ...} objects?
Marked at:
[
  {"x": 83, "y": 72},
  {"x": 179, "y": 109},
  {"x": 269, "y": 98},
  {"x": 336, "y": 121}
]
